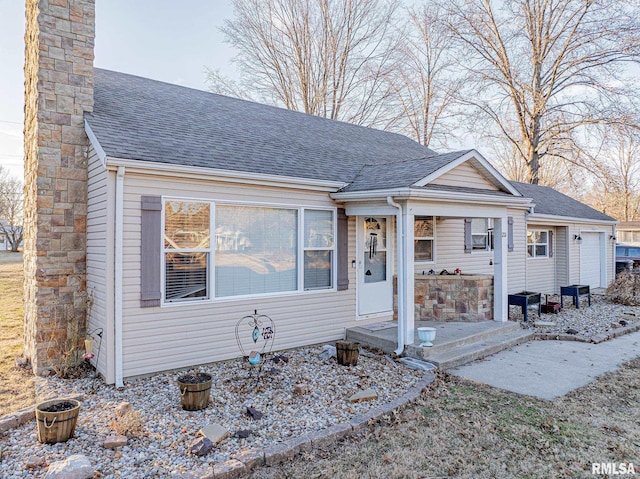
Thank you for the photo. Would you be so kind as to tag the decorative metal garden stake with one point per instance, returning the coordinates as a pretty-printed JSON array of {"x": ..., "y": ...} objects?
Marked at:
[{"x": 262, "y": 333}]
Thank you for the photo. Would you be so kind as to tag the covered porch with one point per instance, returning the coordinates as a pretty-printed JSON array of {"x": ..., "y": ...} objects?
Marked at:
[{"x": 389, "y": 259}]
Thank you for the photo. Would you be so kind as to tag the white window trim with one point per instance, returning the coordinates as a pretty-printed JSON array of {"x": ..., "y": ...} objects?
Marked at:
[
  {"x": 211, "y": 297},
  {"x": 433, "y": 239},
  {"x": 535, "y": 256}
]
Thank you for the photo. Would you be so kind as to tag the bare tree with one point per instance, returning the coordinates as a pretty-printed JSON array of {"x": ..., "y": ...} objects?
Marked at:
[
  {"x": 11, "y": 209},
  {"x": 427, "y": 78},
  {"x": 616, "y": 189},
  {"x": 323, "y": 57},
  {"x": 543, "y": 69}
]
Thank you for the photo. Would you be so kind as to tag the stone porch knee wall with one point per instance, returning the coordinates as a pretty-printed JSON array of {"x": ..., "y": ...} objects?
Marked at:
[
  {"x": 452, "y": 298},
  {"x": 58, "y": 71}
]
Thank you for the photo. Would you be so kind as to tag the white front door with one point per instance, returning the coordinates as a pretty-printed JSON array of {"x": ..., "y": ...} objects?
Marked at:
[{"x": 375, "y": 277}]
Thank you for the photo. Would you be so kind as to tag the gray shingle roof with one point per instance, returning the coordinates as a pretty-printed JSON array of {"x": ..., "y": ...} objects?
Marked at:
[
  {"x": 142, "y": 119},
  {"x": 400, "y": 173},
  {"x": 551, "y": 202}
]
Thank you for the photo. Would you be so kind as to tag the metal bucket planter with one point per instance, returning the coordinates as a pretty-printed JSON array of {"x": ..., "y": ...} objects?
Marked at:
[
  {"x": 347, "y": 353},
  {"x": 56, "y": 420},
  {"x": 195, "y": 389}
]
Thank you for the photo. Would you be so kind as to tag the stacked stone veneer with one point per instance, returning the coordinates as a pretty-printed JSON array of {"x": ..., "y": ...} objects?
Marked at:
[
  {"x": 452, "y": 298},
  {"x": 58, "y": 90}
]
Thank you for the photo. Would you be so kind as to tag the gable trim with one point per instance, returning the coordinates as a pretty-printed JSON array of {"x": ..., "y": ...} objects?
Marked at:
[
  {"x": 102, "y": 155},
  {"x": 464, "y": 158}
]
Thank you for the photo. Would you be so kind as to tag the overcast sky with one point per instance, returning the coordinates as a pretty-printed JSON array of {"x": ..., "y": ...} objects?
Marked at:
[{"x": 160, "y": 39}]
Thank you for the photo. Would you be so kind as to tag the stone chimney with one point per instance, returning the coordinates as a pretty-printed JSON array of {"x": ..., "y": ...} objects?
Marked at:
[{"x": 58, "y": 72}]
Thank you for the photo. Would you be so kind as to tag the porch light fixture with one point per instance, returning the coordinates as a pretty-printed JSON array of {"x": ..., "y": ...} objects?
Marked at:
[
  {"x": 612, "y": 237},
  {"x": 577, "y": 238}
]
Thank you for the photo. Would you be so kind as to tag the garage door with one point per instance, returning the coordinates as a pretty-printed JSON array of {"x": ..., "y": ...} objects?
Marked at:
[{"x": 590, "y": 259}]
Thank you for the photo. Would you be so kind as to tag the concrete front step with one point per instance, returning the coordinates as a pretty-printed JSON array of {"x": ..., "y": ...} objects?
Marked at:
[
  {"x": 466, "y": 353},
  {"x": 455, "y": 335}
]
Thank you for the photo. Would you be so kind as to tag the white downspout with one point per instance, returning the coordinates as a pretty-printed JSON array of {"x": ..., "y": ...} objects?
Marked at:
[
  {"x": 119, "y": 230},
  {"x": 400, "y": 262}
]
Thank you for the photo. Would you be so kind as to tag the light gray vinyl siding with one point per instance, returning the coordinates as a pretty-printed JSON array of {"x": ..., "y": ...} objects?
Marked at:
[
  {"x": 541, "y": 271},
  {"x": 567, "y": 255},
  {"x": 561, "y": 257},
  {"x": 516, "y": 266},
  {"x": 449, "y": 251},
  {"x": 100, "y": 261},
  {"x": 464, "y": 175},
  {"x": 180, "y": 335}
]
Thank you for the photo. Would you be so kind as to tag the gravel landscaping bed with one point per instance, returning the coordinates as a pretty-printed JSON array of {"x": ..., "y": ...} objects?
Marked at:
[
  {"x": 320, "y": 401},
  {"x": 587, "y": 323}
]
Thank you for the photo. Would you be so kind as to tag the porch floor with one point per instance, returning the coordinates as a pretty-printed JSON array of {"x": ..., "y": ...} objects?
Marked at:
[{"x": 456, "y": 343}]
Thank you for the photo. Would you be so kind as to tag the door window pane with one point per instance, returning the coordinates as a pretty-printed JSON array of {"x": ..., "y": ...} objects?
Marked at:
[{"x": 375, "y": 267}]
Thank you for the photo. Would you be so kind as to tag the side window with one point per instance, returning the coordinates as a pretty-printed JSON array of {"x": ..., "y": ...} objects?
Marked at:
[
  {"x": 424, "y": 234},
  {"x": 481, "y": 234},
  {"x": 537, "y": 243},
  {"x": 187, "y": 250},
  {"x": 319, "y": 245}
]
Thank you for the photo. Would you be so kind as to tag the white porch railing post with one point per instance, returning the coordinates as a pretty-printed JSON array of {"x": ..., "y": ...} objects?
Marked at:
[
  {"x": 500, "y": 303},
  {"x": 409, "y": 275}
]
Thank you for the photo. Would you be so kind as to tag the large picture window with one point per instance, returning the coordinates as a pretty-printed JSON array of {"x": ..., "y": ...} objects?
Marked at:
[
  {"x": 224, "y": 251},
  {"x": 537, "y": 243},
  {"x": 255, "y": 250},
  {"x": 187, "y": 249},
  {"x": 318, "y": 249},
  {"x": 423, "y": 231}
]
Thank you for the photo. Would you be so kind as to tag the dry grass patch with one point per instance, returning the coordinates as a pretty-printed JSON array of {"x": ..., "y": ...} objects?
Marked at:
[
  {"x": 16, "y": 385},
  {"x": 466, "y": 430}
]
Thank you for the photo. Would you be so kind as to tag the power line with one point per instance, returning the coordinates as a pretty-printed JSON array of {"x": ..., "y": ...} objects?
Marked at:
[{"x": 11, "y": 122}]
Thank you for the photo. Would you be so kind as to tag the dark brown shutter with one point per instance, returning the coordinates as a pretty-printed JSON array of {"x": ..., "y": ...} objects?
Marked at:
[
  {"x": 468, "y": 241},
  {"x": 550, "y": 244},
  {"x": 151, "y": 251},
  {"x": 510, "y": 233},
  {"x": 343, "y": 250}
]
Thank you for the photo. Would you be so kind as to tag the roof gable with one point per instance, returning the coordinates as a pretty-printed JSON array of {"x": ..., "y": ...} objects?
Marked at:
[
  {"x": 469, "y": 170},
  {"x": 467, "y": 174}
]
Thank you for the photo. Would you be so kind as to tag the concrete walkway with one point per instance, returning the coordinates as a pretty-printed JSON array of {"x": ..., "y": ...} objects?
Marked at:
[{"x": 550, "y": 369}]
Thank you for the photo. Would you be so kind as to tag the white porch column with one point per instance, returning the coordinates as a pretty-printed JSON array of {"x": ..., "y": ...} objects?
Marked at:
[
  {"x": 500, "y": 299},
  {"x": 408, "y": 271}
]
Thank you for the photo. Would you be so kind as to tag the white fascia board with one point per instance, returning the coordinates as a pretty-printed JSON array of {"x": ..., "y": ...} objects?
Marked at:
[
  {"x": 537, "y": 218},
  {"x": 453, "y": 197},
  {"x": 464, "y": 158},
  {"x": 95, "y": 143},
  {"x": 244, "y": 177}
]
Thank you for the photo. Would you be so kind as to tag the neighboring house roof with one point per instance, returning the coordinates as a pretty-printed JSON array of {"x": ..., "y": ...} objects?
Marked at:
[
  {"x": 629, "y": 225},
  {"x": 142, "y": 119},
  {"x": 551, "y": 202}
]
